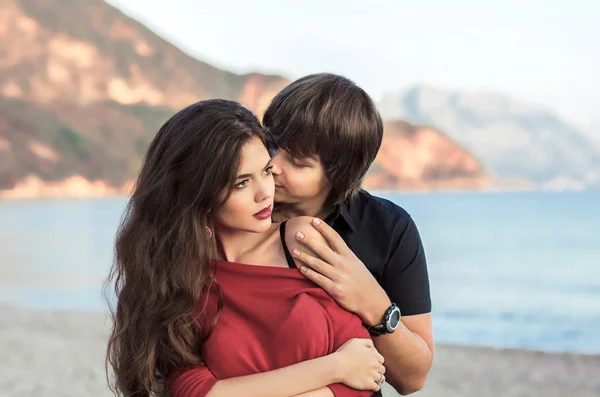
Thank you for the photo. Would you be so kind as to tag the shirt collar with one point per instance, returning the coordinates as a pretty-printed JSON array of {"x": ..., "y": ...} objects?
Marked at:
[{"x": 341, "y": 211}]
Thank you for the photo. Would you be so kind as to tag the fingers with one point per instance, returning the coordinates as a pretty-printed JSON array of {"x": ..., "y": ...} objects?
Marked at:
[
  {"x": 373, "y": 386},
  {"x": 380, "y": 359},
  {"x": 332, "y": 237},
  {"x": 321, "y": 249},
  {"x": 378, "y": 381},
  {"x": 381, "y": 369},
  {"x": 318, "y": 279},
  {"x": 313, "y": 263}
]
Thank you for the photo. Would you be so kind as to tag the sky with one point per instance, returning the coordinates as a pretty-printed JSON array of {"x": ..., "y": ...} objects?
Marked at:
[{"x": 544, "y": 52}]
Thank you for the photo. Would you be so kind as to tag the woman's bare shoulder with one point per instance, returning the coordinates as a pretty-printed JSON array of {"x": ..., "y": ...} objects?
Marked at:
[{"x": 302, "y": 224}]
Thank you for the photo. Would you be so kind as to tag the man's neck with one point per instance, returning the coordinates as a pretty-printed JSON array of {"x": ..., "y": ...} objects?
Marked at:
[{"x": 315, "y": 208}]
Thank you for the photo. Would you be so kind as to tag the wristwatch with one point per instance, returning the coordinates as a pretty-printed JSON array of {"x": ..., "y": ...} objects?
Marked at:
[{"x": 391, "y": 320}]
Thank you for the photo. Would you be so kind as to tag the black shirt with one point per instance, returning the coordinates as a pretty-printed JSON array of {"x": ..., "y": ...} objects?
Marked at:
[{"x": 385, "y": 238}]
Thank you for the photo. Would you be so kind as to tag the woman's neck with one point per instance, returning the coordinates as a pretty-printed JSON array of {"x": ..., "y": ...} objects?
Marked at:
[{"x": 236, "y": 245}]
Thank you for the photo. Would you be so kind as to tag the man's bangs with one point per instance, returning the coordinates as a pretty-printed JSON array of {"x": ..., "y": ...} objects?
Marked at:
[{"x": 298, "y": 143}]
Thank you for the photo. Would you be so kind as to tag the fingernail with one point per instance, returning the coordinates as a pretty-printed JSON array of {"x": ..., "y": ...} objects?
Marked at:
[
  {"x": 296, "y": 252},
  {"x": 299, "y": 235},
  {"x": 303, "y": 269},
  {"x": 316, "y": 221}
]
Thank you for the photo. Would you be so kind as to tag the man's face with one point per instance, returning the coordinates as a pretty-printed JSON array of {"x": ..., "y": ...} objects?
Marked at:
[{"x": 298, "y": 181}]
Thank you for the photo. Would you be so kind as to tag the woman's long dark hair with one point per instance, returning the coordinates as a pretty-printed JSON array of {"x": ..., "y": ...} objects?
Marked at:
[{"x": 163, "y": 247}]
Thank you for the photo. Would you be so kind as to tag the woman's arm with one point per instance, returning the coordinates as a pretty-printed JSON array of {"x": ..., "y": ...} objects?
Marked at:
[
  {"x": 287, "y": 381},
  {"x": 355, "y": 364},
  {"x": 322, "y": 392},
  {"x": 307, "y": 376}
]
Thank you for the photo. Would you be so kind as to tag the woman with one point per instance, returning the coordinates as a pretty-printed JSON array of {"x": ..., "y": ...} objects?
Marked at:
[{"x": 203, "y": 276}]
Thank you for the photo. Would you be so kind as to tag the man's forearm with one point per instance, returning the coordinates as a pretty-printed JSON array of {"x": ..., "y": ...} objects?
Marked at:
[{"x": 408, "y": 359}]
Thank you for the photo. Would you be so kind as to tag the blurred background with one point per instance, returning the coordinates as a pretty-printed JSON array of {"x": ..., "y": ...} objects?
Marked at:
[{"x": 492, "y": 134}]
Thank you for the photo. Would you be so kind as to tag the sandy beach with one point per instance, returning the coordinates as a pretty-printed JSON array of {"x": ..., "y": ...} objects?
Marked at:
[{"x": 57, "y": 353}]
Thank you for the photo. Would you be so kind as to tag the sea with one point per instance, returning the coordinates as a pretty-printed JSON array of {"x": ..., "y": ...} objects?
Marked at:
[{"x": 507, "y": 269}]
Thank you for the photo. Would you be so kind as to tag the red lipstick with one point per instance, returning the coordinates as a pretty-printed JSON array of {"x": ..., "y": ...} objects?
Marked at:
[{"x": 263, "y": 214}]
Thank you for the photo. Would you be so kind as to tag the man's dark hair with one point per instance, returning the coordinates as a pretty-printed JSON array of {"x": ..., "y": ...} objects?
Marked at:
[{"x": 329, "y": 116}]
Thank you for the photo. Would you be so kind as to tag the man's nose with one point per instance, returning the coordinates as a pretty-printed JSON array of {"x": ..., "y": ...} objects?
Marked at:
[{"x": 276, "y": 170}]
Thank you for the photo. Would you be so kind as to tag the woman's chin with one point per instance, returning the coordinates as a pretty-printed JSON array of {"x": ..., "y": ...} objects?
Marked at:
[{"x": 262, "y": 225}]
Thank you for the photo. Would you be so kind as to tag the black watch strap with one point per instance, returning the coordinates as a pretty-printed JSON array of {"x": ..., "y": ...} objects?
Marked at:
[
  {"x": 381, "y": 328},
  {"x": 376, "y": 330}
]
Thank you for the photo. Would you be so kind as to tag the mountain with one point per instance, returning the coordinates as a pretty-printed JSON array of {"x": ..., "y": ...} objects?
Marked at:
[
  {"x": 512, "y": 139},
  {"x": 422, "y": 158},
  {"x": 85, "y": 51},
  {"x": 84, "y": 88}
]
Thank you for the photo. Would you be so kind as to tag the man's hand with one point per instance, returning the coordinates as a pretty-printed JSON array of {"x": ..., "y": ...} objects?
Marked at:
[{"x": 339, "y": 272}]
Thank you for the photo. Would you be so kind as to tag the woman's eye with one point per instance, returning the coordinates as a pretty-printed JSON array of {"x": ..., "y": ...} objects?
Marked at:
[
  {"x": 268, "y": 170},
  {"x": 242, "y": 184}
]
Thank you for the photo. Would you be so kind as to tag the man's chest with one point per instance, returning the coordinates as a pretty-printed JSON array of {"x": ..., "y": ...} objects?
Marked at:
[{"x": 373, "y": 254}]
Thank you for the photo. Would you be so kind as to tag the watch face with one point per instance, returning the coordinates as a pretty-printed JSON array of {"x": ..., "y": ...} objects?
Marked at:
[{"x": 394, "y": 319}]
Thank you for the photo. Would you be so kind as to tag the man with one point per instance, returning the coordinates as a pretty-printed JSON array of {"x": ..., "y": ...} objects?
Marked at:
[{"x": 328, "y": 131}]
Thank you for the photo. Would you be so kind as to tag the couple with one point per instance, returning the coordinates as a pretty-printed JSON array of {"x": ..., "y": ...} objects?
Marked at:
[{"x": 250, "y": 263}]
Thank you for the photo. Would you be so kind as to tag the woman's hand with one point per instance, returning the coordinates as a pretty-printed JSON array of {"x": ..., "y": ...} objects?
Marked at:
[{"x": 361, "y": 365}]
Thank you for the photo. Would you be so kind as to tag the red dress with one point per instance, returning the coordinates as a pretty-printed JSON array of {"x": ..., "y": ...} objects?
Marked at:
[{"x": 272, "y": 317}]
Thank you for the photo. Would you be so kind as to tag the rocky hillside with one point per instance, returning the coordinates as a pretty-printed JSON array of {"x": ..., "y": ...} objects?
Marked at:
[
  {"x": 83, "y": 88},
  {"x": 418, "y": 158},
  {"x": 512, "y": 139},
  {"x": 87, "y": 51}
]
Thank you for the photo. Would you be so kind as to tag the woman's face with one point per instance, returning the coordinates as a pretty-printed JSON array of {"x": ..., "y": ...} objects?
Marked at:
[{"x": 250, "y": 204}]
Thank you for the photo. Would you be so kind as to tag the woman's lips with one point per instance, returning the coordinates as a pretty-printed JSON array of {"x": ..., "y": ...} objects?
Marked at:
[{"x": 263, "y": 214}]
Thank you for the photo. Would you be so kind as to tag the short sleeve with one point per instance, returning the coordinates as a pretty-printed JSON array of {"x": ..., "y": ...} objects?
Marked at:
[
  {"x": 405, "y": 276},
  {"x": 193, "y": 382}
]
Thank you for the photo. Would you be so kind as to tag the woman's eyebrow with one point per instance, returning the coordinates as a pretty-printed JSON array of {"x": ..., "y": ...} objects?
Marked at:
[{"x": 244, "y": 176}]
